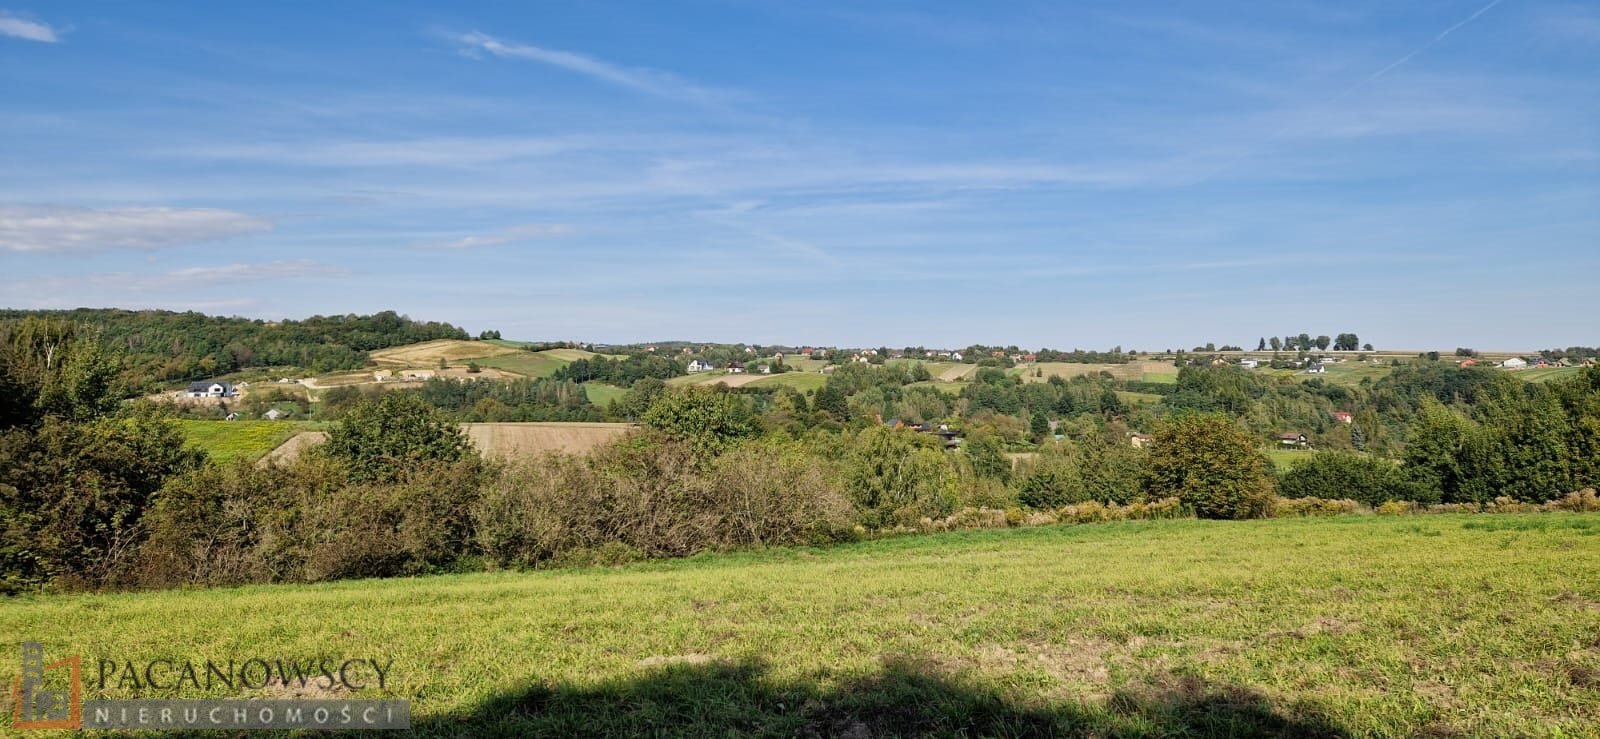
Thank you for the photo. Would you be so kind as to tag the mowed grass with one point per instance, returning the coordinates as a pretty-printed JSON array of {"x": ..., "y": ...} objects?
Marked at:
[
  {"x": 1360, "y": 626},
  {"x": 602, "y": 394},
  {"x": 226, "y": 441},
  {"x": 1548, "y": 373},
  {"x": 1287, "y": 459},
  {"x": 802, "y": 381},
  {"x": 528, "y": 364}
]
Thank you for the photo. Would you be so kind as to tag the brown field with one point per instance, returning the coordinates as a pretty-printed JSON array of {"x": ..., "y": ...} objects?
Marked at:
[
  {"x": 958, "y": 372},
  {"x": 739, "y": 380},
  {"x": 289, "y": 450},
  {"x": 531, "y": 439},
  {"x": 501, "y": 440},
  {"x": 428, "y": 353}
]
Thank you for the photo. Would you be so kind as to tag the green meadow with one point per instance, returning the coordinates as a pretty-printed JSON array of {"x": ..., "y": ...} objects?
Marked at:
[
  {"x": 1440, "y": 625},
  {"x": 226, "y": 441}
]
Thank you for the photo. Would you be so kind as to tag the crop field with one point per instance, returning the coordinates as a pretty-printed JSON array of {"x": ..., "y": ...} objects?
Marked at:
[
  {"x": 952, "y": 371},
  {"x": 428, "y": 353},
  {"x": 1165, "y": 378},
  {"x": 513, "y": 440},
  {"x": 1441, "y": 625},
  {"x": 226, "y": 441}
]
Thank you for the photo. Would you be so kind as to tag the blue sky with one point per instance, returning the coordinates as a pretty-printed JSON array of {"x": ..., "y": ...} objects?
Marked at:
[{"x": 1425, "y": 174}]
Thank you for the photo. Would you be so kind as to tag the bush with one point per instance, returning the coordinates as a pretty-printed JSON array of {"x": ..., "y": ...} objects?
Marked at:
[
  {"x": 1312, "y": 506},
  {"x": 1211, "y": 465},
  {"x": 656, "y": 497},
  {"x": 306, "y": 523},
  {"x": 72, "y": 495},
  {"x": 899, "y": 477},
  {"x": 378, "y": 440},
  {"x": 1335, "y": 475}
]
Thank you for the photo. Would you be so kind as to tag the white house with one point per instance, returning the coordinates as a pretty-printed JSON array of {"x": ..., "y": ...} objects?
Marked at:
[
  {"x": 700, "y": 365},
  {"x": 1248, "y": 363},
  {"x": 417, "y": 374},
  {"x": 956, "y": 356},
  {"x": 1315, "y": 369},
  {"x": 1514, "y": 363},
  {"x": 211, "y": 390},
  {"x": 736, "y": 368},
  {"x": 273, "y": 415}
]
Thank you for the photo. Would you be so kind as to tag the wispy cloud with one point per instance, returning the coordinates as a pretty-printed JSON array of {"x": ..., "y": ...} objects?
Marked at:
[
  {"x": 58, "y": 228},
  {"x": 16, "y": 26},
  {"x": 511, "y": 235},
  {"x": 648, "y": 81},
  {"x": 440, "y": 151},
  {"x": 1571, "y": 23},
  {"x": 188, "y": 278}
]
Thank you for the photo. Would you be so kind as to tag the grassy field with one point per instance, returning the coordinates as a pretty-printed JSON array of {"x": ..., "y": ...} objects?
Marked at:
[
  {"x": 602, "y": 394},
  {"x": 1287, "y": 459},
  {"x": 226, "y": 441},
  {"x": 802, "y": 381},
  {"x": 530, "y": 364},
  {"x": 1137, "y": 398},
  {"x": 1547, "y": 374},
  {"x": 1354, "y": 626},
  {"x": 1165, "y": 378}
]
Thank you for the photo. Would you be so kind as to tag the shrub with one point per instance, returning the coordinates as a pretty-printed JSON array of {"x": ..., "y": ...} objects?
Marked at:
[
  {"x": 1311, "y": 506},
  {"x": 72, "y": 495},
  {"x": 1212, "y": 465},
  {"x": 1367, "y": 479},
  {"x": 378, "y": 440},
  {"x": 1580, "y": 502},
  {"x": 897, "y": 476},
  {"x": 1398, "y": 507},
  {"x": 658, "y": 498}
]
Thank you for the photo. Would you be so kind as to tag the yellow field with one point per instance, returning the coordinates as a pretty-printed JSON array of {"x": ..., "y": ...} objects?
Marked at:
[
  {"x": 512, "y": 440},
  {"x": 428, "y": 353},
  {"x": 499, "y": 440}
]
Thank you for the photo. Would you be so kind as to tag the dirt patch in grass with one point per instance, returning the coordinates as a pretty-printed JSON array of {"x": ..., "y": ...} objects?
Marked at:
[{"x": 693, "y": 658}]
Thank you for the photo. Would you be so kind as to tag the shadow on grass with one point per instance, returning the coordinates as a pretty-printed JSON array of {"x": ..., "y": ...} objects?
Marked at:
[{"x": 905, "y": 699}]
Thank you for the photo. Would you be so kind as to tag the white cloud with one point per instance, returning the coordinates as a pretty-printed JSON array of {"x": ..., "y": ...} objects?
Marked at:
[
  {"x": 647, "y": 81},
  {"x": 100, "y": 284},
  {"x": 505, "y": 236},
  {"x": 57, "y": 228},
  {"x": 18, "y": 27}
]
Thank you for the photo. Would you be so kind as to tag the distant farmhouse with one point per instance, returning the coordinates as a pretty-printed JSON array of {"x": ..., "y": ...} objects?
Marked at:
[
  {"x": 1514, "y": 363},
  {"x": 211, "y": 390},
  {"x": 700, "y": 365}
]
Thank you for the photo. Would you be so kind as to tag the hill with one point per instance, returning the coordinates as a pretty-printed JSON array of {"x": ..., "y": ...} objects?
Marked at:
[{"x": 1435, "y": 625}]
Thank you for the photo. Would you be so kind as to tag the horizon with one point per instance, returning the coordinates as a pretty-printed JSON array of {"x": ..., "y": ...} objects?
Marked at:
[{"x": 1150, "y": 175}]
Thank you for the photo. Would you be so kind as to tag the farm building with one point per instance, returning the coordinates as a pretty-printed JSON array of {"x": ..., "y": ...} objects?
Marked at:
[
  {"x": 1139, "y": 440},
  {"x": 1293, "y": 439},
  {"x": 417, "y": 375},
  {"x": 274, "y": 414},
  {"x": 1248, "y": 363},
  {"x": 1514, "y": 363},
  {"x": 700, "y": 365},
  {"x": 211, "y": 390},
  {"x": 736, "y": 368},
  {"x": 1315, "y": 369}
]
